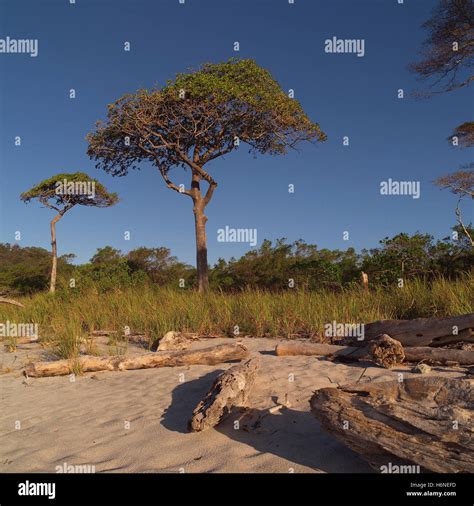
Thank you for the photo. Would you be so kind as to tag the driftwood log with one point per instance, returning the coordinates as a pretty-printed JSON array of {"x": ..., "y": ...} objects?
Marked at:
[
  {"x": 352, "y": 353},
  {"x": 231, "y": 388},
  {"x": 424, "y": 421},
  {"x": 174, "y": 341},
  {"x": 439, "y": 355},
  {"x": 103, "y": 333},
  {"x": 26, "y": 339},
  {"x": 89, "y": 363},
  {"x": 285, "y": 348},
  {"x": 424, "y": 331},
  {"x": 10, "y": 301}
]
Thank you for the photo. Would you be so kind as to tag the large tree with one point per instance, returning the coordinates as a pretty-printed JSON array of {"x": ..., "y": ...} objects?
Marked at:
[
  {"x": 198, "y": 117},
  {"x": 61, "y": 193}
]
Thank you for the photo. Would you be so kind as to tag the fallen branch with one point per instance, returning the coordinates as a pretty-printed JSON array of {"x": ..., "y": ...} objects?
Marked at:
[
  {"x": 11, "y": 301},
  {"x": 231, "y": 388},
  {"x": 352, "y": 353},
  {"x": 439, "y": 355},
  {"x": 89, "y": 363},
  {"x": 424, "y": 421},
  {"x": 286, "y": 348}
]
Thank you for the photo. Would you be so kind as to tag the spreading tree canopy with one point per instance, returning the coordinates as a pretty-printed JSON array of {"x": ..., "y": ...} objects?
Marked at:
[{"x": 196, "y": 118}]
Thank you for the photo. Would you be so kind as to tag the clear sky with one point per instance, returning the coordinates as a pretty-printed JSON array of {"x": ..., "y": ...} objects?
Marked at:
[{"x": 337, "y": 188}]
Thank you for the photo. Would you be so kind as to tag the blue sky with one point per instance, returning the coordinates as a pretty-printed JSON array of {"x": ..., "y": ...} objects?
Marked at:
[{"x": 336, "y": 186}]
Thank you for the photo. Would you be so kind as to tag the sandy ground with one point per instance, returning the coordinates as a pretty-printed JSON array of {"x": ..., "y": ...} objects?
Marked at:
[{"x": 136, "y": 421}]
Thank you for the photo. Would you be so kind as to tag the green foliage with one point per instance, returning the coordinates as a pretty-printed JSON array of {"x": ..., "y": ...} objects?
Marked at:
[
  {"x": 403, "y": 256},
  {"x": 406, "y": 257},
  {"x": 109, "y": 269},
  {"x": 158, "y": 264},
  {"x": 269, "y": 267},
  {"x": 59, "y": 192},
  {"x": 106, "y": 256},
  {"x": 400, "y": 257},
  {"x": 196, "y": 118},
  {"x": 278, "y": 267},
  {"x": 253, "y": 104},
  {"x": 27, "y": 270}
]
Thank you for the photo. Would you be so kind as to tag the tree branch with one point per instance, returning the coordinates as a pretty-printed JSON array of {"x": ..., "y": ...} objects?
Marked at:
[
  {"x": 458, "y": 215},
  {"x": 171, "y": 185},
  {"x": 209, "y": 193}
]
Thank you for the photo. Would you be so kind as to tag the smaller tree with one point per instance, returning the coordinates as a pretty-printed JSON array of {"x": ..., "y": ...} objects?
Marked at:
[
  {"x": 61, "y": 193},
  {"x": 461, "y": 183}
]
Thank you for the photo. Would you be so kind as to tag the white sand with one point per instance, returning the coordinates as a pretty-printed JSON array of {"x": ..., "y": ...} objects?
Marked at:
[{"x": 84, "y": 422}]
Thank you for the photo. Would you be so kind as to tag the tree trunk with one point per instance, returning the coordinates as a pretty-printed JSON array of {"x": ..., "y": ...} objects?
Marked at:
[
  {"x": 201, "y": 245},
  {"x": 54, "y": 253}
]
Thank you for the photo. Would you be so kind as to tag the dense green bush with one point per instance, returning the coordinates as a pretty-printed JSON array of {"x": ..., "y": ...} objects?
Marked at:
[{"x": 276, "y": 266}]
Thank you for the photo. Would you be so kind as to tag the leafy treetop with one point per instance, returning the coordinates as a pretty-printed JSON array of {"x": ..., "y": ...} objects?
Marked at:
[
  {"x": 63, "y": 191},
  {"x": 198, "y": 117}
]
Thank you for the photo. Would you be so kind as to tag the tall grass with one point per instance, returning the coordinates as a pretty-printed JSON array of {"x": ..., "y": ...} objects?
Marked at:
[{"x": 66, "y": 318}]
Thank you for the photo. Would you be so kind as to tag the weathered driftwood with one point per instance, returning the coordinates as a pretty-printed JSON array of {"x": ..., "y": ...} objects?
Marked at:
[
  {"x": 89, "y": 363},
  {"x": 386, "y": 352},
  {"x": 231, "y": 388},
  {"x": 173, "y": 341},
  {"x": 423, "y": 331},
  {"x": 425, "y": 421},
  {"x": 103, "y": 333},
  {"x": 439, "y": 355},
  {"x": 352, "y": 353},
  {"x": 307, "y": 348},
  {"x": 10, "y": 301},
  {"x": 26, "y": 339}
]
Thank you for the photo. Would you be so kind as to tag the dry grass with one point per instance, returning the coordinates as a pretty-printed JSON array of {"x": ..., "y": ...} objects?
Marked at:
[{"x": 65, "y": 319}]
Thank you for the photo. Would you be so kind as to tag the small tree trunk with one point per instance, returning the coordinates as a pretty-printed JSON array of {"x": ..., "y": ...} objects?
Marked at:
[
  {"x": 201, "y": 245},
  {"x": 54, "y": 253},
  {"x": 364, "y": 278}
]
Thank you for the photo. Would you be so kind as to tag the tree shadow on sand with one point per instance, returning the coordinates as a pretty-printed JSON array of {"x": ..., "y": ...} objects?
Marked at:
[{"x": 290, "y": 434}]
